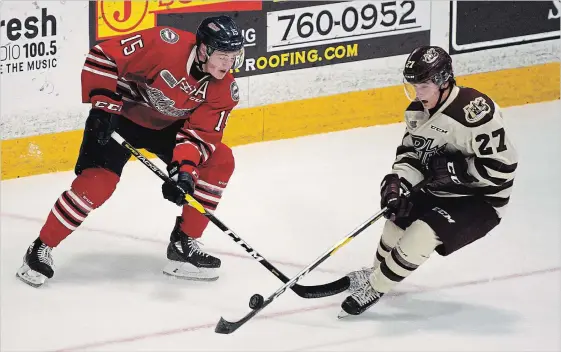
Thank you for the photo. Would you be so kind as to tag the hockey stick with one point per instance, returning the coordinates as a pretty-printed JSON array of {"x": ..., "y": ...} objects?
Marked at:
[
  {"x": 257, "y": 303},
  {"x": 317, "y": 291}
]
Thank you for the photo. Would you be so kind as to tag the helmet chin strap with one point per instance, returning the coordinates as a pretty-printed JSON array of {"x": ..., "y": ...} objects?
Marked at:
[
  {"x": 442, "y": 90},
  {"x": 439, "y": 102}
]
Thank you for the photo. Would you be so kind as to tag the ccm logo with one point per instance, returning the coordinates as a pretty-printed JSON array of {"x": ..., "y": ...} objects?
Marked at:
[{"x": 107, "y": 106}]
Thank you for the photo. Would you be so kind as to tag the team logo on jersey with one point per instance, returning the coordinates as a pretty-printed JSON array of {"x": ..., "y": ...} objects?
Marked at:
[
  {"x": 476, "y": 110},
  {"x": 430, "y": 56},
  {"x": 170, "y": 80},
  {"x": 425, "y": 149},
  {"x": 164, "y": 104},
  {"x": 235, "y": 91},
  {"x": 169, "y": 36}
]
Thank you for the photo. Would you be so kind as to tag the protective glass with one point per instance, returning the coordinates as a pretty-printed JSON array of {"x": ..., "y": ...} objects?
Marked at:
[
  {"x": 231, "y": 60},
  {"x": 419, "y": 91}
]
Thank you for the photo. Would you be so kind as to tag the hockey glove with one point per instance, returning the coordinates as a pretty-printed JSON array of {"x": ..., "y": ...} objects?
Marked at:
[
  {"x": 105, "y": 104},
  {"x": 102, "y": 125},
  {"x": 392, "y": 192},
  {"x": 175, "y": 190},
  {"x": 448, "y": 170}
]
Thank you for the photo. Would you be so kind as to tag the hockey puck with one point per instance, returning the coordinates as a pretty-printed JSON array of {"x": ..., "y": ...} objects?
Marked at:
[{"x": 256, "y": 301}]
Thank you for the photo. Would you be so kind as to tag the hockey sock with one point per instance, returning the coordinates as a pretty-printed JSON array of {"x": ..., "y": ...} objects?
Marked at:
[
  {"x": 390, "y": 235},
  {"x": 89, "y": 190},
  {"x": 194, "y": 223},
  {"x": 412, "y": 250}
]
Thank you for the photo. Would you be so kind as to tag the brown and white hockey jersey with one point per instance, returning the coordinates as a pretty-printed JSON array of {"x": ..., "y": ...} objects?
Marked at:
[{"x": 469, "y": 122}]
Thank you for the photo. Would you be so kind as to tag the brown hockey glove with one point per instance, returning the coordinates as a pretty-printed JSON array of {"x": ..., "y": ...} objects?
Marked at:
[
  {"x": 392, "y": 192},
  {"x": 450, "y": 169}
]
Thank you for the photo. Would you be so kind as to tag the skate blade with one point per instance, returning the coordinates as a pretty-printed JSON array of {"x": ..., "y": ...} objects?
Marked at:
[
  {"x": 187, "y": 271},
  {"x": 342, "y": 314},
  {"x": 30, "y": 277}
]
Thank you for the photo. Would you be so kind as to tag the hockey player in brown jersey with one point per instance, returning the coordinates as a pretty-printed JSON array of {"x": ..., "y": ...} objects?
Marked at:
[{"x": 456, "y": 140}]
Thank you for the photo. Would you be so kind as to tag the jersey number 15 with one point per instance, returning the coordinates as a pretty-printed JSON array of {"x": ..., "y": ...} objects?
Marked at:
[
  {"x": 129, "y": 49},
  {"x": 222, "y": 121}
]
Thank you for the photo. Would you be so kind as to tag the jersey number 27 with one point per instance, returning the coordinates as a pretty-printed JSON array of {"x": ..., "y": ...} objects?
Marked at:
[{"x": 484, "y": 139}]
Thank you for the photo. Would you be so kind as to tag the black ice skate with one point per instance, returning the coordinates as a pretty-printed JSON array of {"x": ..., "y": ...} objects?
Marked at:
[
  {"x": 37, "y": 264},
  {"x": 187, "y": 260},
  {"x": 364, "y": 297}
]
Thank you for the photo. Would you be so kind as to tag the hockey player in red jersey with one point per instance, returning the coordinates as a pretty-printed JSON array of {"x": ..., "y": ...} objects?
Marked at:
[{"x": 169, "y": 92}]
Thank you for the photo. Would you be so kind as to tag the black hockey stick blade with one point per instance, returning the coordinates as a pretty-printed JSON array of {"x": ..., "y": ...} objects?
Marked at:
[
  {"x": 324, "y": 290},
  {"x": 227, "y": 327}
]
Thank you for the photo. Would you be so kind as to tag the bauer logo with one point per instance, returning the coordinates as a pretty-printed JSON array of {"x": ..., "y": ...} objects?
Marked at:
[{"x": 28, "y": 43}]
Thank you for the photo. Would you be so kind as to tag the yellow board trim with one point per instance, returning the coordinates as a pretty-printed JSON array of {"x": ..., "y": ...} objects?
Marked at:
[{"x": 58, "y": 151}]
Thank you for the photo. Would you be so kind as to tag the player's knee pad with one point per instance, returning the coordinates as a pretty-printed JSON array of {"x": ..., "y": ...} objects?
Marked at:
[
  {"x": 94, "y": 186},
  {"x": 220, "y": 166},
  {"x": 417, "y": 243},
  {"x": 391, "y": 234}
]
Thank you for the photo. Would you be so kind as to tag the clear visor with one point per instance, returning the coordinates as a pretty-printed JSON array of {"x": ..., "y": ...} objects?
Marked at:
[
  {"x": 228, "y": 60},
  {"x": 419, "y": 91}
]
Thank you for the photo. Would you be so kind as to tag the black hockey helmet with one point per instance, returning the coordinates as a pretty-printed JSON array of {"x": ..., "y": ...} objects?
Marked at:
[
  {"x": 221, "y": 33},
  {"x": 429, "y": 63}
]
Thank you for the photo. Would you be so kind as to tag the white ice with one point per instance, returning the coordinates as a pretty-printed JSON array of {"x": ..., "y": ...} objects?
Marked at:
[{"x": 290, "y": 200}]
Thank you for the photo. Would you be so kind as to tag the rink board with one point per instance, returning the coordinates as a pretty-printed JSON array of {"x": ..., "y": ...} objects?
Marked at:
[{"x": 58, "y": 151}]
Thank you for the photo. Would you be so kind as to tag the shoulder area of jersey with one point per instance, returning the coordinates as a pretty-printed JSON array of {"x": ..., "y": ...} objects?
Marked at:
[
  {"x": 226, "y": 87},
  {"x": 470, "y": 107},
  {"x": 172, "y": 36}
]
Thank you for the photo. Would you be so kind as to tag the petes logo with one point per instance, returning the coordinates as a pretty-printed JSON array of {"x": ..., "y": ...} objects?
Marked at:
[
  {"x": 476, "y": 110},
  {"x": 425, "y": 149},
  {"x": 430, "y": 56},
  {"x": 169, "y": 36}
]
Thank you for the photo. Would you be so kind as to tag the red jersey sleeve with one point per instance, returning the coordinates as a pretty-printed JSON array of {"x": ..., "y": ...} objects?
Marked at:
[
  {"x": 134, "y": 55},
  {"x": 197, "y": 139}
]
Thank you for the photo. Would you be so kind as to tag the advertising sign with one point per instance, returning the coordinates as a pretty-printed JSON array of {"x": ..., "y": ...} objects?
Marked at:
[
  {"x": 29, "y": 40},
  {"x": 284, "y": 35},
  {"x": 479, "y": 25}
]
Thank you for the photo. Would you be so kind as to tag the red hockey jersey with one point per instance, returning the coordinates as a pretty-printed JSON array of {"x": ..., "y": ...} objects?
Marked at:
[{"x": 150, "y": 70}]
